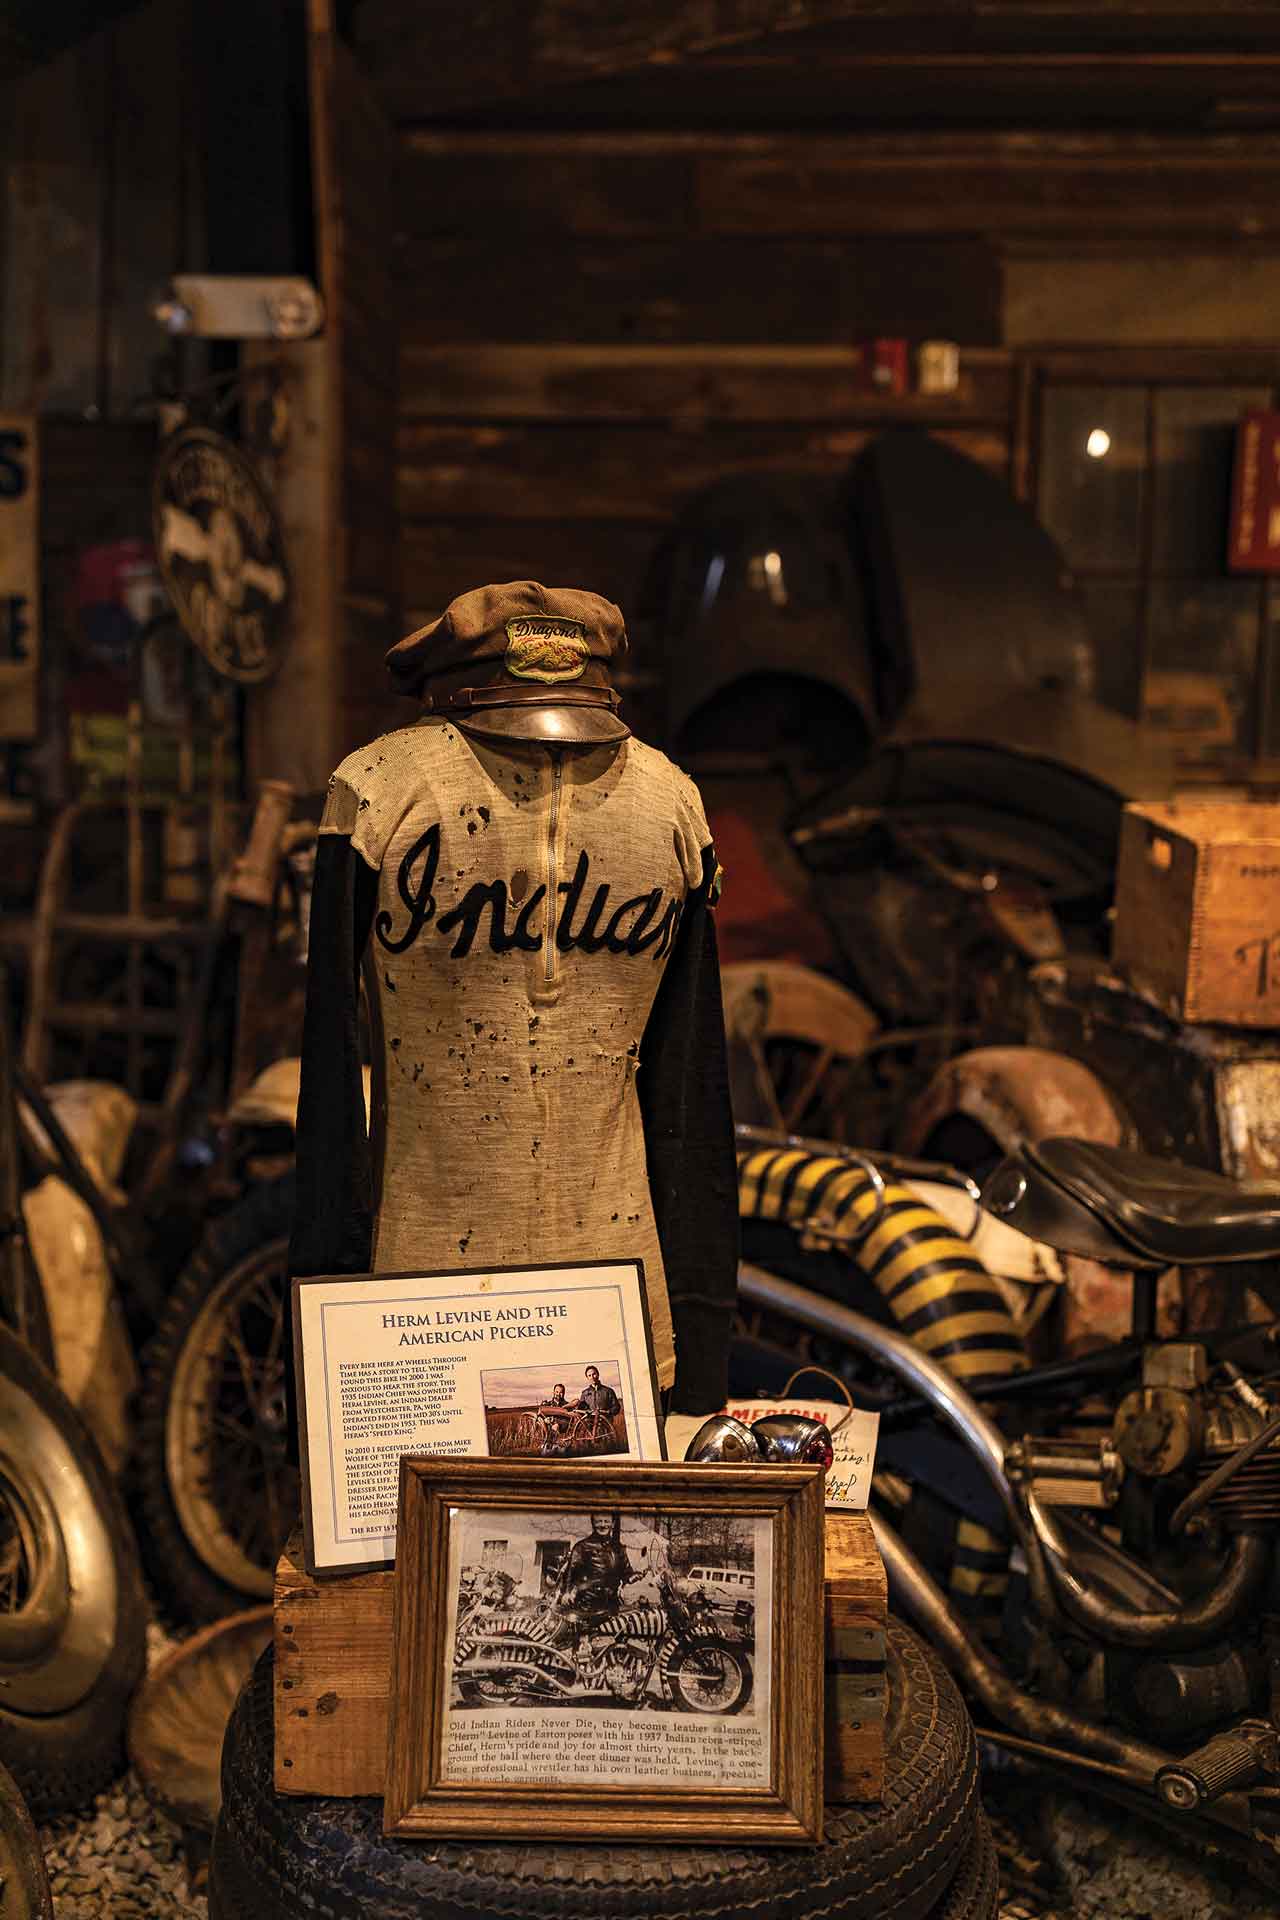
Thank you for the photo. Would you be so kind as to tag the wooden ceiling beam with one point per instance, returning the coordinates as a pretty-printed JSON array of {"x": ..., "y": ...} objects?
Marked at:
[
  {"x": 500, "y": 52},
  {"x": 1219, "y": 189},
  {"x": 1212, "y": 187},
  {"x": 689, "y": 385},
  {"x": 795, "y": 86}
]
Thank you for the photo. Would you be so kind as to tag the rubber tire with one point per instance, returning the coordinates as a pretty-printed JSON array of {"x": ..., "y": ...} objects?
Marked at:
[
  {"x": 682, "y": 1705},
  {"x": 276, "y": 1857},
  {"x": 974, "y": 1894},
  {"x": 185, "y": 1588},
  {"x": 61, "y": 1760}
]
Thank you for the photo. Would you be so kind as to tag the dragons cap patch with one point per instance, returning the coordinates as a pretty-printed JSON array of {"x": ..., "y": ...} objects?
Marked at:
[{"x": 546, "y": 647}]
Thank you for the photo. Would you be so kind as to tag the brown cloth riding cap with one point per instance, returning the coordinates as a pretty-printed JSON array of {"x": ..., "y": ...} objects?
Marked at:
[{"x": 519, "y": 662}]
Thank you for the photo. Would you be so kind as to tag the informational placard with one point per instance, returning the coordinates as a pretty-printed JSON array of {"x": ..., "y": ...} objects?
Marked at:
[
  {"x": 19, "y": 579},
  {"x": 549, "y": 1363},
  {"x": 854, "y": 1434}
]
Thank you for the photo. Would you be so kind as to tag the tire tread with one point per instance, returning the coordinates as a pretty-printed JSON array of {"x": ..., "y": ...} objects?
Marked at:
[{"x": 328, "y": 1858}]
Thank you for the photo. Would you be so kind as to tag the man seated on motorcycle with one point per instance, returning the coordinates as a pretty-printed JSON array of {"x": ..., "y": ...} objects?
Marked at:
[
  {"x": 595, "y": 1570},
  {"x": 556, "y": 1414}
]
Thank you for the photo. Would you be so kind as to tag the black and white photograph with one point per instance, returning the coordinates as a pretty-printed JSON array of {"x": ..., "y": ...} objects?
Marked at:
[
  {"x": 652, "y": 1611},
  {"x": 578, "y": 1634},
  {"x": 573, "y": 1411}
]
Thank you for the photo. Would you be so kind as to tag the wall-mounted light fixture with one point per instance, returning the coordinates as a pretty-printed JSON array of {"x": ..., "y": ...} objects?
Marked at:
[{"x": 213, "y": 306}]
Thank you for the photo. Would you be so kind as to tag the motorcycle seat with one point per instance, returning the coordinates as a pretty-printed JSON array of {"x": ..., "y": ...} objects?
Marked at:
[{"x": 1130, "y": 1209}]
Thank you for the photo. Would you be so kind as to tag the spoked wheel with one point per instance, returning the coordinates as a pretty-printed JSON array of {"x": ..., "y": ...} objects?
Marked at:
[
  {"x": 72, "y": 1623},
  {"x": 225, "y": 1433},
  {"x": 796, "y": 1043},
  {"x": 710, "y": 1677},
  {"x": 219, "y": 1492},
  {"x": 595, "y": 1428}
]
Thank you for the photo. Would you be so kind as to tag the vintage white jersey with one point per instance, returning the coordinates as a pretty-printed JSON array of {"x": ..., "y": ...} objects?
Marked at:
[{"x": 528, "y": 901}]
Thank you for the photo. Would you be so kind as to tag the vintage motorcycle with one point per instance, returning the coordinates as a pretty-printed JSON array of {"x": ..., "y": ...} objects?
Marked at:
[
  {"x": 1117, "y": 1509},
  {"x": 668, "y": 1654}
]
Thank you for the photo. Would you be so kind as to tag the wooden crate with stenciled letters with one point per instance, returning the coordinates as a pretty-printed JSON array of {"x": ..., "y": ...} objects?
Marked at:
[
  {"x": 1197, "y": 925},
  {"x": 333, "y": 1671}
]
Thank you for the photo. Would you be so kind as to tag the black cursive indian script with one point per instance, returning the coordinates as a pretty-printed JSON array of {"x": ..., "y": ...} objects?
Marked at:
[{"x": 645, "y": 921}]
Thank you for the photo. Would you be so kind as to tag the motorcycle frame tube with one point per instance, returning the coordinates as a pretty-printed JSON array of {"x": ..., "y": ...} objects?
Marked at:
[
  {"x": 1170, "y": 1630},
  {"x": 1054, "y": 1583},
  {"x": 1121, "y": 1755},
  {"x": 958, "y": 1409},
  {"x": 915, "y": 1590}
]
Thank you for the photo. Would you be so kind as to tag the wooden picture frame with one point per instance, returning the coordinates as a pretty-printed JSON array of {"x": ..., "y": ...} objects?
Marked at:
[{"x": 721, "y": 1737}]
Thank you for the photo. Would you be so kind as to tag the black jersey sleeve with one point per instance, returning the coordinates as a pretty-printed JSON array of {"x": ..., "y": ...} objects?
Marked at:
[
  {"x": 333, "y": 1221},
  {"x": 333, "y": 1213},
  {"x": 683, "y": 1086}
]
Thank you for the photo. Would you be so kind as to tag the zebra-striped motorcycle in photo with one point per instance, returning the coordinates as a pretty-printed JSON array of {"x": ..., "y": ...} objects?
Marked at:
[{"x": 659, "y": 1657}]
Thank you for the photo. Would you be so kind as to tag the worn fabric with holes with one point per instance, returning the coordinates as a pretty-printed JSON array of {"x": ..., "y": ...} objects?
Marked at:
[{"x": 550, "y": 1079}]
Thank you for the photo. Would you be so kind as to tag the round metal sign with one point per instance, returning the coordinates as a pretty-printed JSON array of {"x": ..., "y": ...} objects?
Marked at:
[{"x": 221, "y": 554}]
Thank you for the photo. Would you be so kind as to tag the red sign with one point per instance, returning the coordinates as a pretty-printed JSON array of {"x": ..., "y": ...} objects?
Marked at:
[{"x": 1253, "y": 544}]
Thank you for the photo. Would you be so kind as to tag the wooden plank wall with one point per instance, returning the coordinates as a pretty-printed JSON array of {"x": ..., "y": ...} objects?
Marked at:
[
  {"x": 354, "y": 542},
  {"x": 366, "y": 343},
  {"x": 95, "y": 487},
  {"x": 101, "y": 206},
  {"x": 98, "y": 206},
  {"x": 589, "y": 334}
]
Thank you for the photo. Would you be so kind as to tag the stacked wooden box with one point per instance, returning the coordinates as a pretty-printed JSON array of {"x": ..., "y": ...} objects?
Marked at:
[
  {"x": 333, "y": 1671},
  {"x": 1197, "y": 926}
]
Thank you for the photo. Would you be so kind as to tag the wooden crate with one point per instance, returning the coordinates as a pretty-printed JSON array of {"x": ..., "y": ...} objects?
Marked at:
[
  {"x": 1198, "y": 909},
  {"x": 333, "y": 1662},
  {"x": 856, "y": 1695}
]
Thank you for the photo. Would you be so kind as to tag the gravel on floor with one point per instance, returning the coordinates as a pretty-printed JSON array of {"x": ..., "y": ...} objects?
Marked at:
[
  {"x": 123, "y": 1859},
  {"x": 1064, "y": 1857}
]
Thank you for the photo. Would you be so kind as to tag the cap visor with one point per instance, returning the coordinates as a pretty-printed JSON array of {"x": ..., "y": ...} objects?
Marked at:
[{"x": 565, "y": 726}]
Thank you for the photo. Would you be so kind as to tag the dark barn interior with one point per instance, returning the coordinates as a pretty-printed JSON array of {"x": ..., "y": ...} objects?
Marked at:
[{"x": 908, "y": 374}]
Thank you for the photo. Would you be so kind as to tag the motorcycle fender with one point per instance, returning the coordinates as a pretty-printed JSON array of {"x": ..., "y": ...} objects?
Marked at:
[{"x": 1016, "y": 1094}]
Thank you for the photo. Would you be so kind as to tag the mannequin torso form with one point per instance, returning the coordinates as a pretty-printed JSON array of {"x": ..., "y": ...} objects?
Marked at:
[{"x": 529, "y": 900}]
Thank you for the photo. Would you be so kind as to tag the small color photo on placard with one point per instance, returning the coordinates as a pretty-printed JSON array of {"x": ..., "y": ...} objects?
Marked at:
[{"x": 572, "y": 1412}]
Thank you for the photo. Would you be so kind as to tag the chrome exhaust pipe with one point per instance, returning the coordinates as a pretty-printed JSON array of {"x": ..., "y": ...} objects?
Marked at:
[{"x": 1056, "y": 1586}]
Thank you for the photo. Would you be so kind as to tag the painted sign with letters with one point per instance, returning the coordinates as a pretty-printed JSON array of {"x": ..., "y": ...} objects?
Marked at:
[
  {"x": 19, "y": 578},
  {"x": 1254, "y": 545}
]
